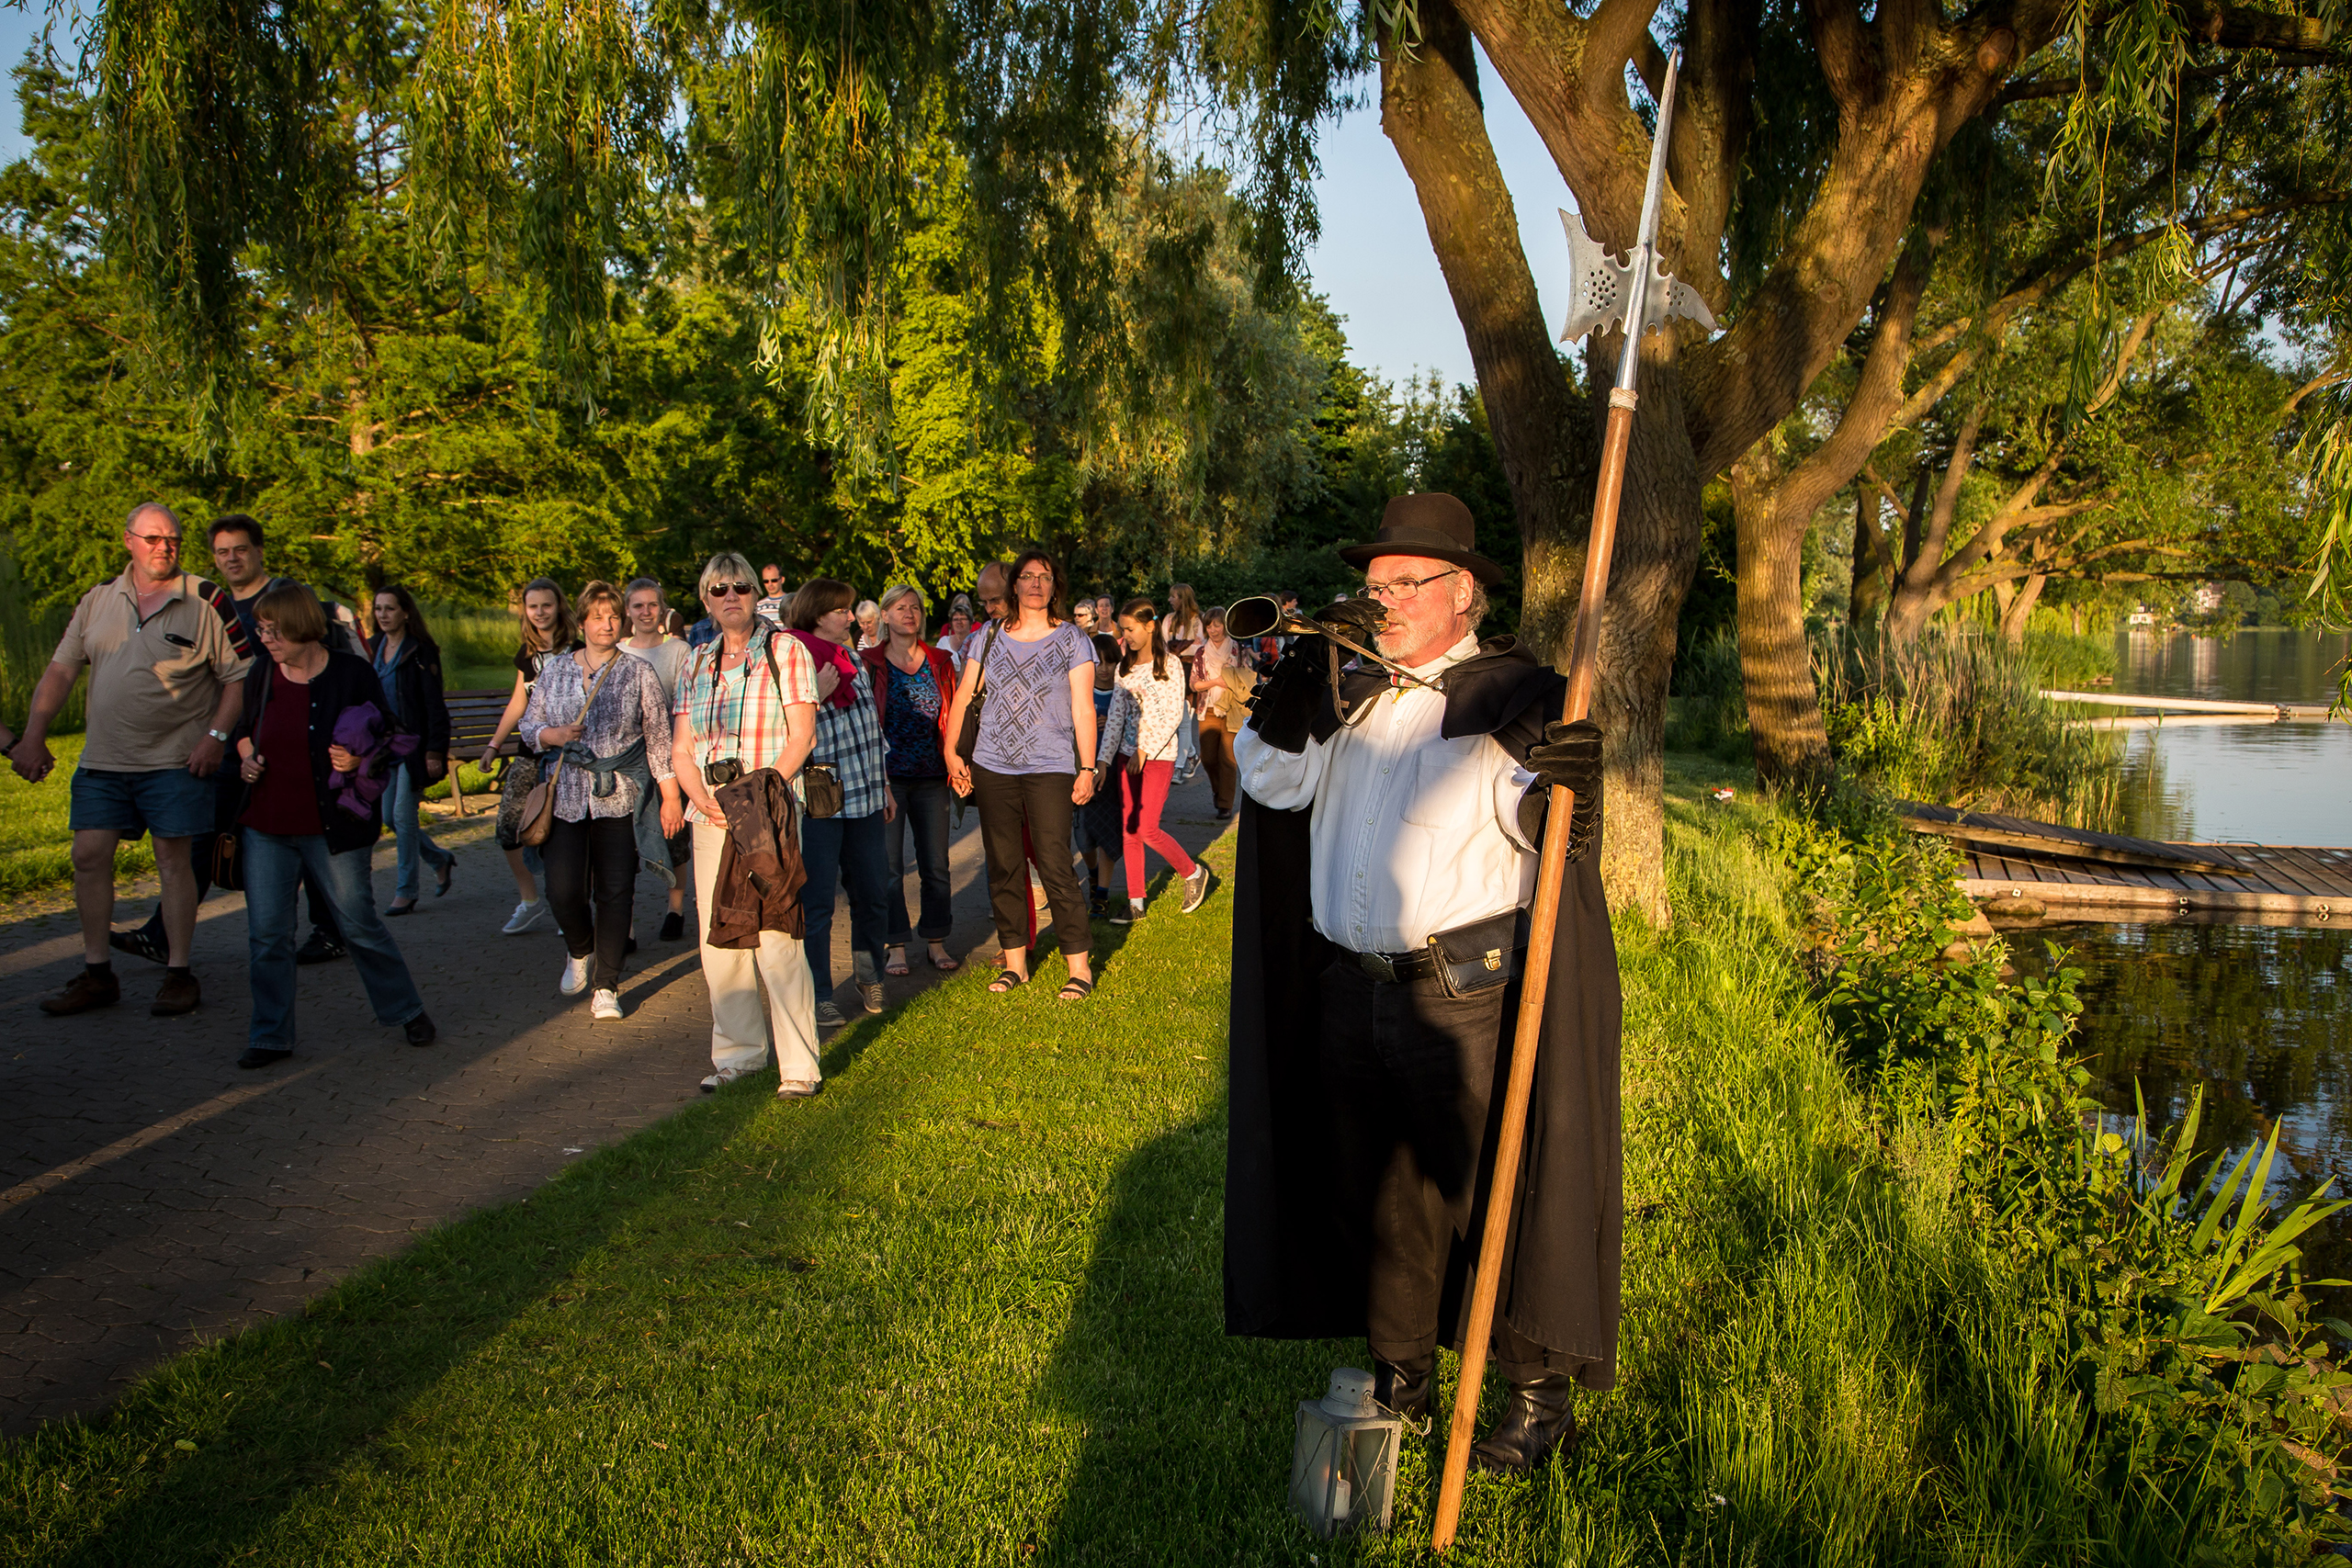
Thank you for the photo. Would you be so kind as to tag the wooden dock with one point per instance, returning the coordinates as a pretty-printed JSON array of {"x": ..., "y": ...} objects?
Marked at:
[{"x": 2073, "y": 873}]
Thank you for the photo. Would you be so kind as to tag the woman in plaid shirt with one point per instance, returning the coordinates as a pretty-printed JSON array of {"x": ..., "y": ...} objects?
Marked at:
[
  {"x": 847, "y": 849},
  {"x": 748, "y": 698}
]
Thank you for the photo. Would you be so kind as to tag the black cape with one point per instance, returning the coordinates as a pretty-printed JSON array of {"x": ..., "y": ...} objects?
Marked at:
[{"x": 1286, "y": 1277}]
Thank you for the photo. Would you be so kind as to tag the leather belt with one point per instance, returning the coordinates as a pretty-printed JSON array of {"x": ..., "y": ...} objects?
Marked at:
[{"x": 1394, "y": 968}]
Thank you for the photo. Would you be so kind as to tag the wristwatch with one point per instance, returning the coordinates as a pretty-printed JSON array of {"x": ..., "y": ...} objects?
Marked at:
[{"x": 217, "y": 735}]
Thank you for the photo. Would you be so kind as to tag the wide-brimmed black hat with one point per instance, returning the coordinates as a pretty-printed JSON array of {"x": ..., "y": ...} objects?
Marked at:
[{"x": 1431, "y": 524}]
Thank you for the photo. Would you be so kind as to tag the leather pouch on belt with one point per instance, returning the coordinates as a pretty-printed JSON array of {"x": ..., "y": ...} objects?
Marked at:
[{"x": 1481, "y": 957}]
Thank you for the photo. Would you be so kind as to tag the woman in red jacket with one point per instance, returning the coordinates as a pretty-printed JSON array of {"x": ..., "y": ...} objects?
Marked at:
[{"x": 914, "y": 683}]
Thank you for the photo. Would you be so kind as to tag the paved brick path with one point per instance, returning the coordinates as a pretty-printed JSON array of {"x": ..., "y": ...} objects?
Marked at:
[{"x": 151, "y": 1194}]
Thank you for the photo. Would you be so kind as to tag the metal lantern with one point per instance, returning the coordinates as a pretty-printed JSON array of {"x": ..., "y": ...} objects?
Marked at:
[{"x": 1343, "y": 1465}]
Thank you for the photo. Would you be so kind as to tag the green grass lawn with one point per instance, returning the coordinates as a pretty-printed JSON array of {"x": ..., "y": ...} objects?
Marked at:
[
  {"x": 36, "y": 846},
  {"x": 965, "y": 1308}
]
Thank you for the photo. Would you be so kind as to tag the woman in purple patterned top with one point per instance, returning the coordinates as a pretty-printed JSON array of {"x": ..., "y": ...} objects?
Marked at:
[{"x": 1037, "y": 670}]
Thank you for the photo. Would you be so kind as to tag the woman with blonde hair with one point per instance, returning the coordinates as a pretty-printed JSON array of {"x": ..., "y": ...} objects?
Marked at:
[
  {"x": 913, "y": 686},
  {"x": 599, "y": 717},
  {"x": 548, "y": 630}
]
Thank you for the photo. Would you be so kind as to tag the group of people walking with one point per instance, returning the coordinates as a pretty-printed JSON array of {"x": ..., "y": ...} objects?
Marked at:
[{"x": 291, "y": 741}]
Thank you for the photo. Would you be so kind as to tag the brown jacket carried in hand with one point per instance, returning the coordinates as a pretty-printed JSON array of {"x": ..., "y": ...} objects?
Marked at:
[{"x": 760, "y": 871}]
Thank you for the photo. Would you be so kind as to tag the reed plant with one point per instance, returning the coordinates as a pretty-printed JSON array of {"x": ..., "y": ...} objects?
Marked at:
[{"x": 1957, "y": 717}]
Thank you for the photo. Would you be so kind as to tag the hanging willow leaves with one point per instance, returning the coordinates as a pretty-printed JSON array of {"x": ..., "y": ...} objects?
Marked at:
[{"x": 225, "y": 148}]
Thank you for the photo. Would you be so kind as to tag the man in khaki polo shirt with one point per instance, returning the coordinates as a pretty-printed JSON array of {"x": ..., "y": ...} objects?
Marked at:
[{"x": 167, "y": 659}]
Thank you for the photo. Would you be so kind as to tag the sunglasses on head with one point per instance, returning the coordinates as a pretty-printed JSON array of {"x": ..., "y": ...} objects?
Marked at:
[{"x": 721, "y": 590}]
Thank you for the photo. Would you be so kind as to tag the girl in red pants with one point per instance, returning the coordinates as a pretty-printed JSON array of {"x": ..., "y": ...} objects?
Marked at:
[{"x": 1138, "y": 743}]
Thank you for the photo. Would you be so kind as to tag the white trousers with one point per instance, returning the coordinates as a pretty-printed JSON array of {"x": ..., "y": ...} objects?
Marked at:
[{"x": 739, "y": 1031}]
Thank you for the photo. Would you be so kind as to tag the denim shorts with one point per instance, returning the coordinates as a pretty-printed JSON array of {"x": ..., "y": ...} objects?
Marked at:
[{"x": 170, "y": 803}]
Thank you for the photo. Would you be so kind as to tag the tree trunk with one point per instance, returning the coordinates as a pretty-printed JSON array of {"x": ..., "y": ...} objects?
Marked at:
[
  {"x": 1775, "y": 666},
  {"x": 1546, "y": 438},
  {"x": 2019, "y": 611}
]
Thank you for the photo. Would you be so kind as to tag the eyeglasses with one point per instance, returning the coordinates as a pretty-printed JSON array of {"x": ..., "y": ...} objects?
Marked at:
[
  {"x": 1402, "y": 590},
  {"x": 1035, "y": 580},
  {"x": 721, "y": 590},
  {"x": 171, "y": 540}
]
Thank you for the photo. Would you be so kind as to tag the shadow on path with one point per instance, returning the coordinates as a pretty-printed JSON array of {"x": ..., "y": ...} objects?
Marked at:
[{"x": 281, "y": 1409}]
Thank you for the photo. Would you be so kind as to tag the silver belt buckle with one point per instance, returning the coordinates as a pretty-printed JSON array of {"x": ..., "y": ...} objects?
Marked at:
[{"x": 1377, "y": 966}]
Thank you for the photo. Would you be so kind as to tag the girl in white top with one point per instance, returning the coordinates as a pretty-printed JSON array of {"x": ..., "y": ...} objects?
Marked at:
[
  {"x": 1146, "y": 721},
  {"x": 668, "y": 655}
]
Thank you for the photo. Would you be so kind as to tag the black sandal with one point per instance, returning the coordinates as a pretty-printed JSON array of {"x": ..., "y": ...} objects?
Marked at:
[
  {"x": 1075, "y": 989},
  {"x": 1006, "y": 980}
]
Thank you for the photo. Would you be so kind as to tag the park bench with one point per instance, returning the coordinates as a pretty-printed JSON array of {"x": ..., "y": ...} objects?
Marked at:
[{"x": 473, "y": 715}]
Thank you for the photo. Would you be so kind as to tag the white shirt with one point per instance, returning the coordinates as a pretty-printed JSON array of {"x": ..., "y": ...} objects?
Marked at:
[{"x": 1412, "y": 833}]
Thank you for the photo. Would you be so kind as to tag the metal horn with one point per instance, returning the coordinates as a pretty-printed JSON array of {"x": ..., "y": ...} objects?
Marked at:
[{"x": 1260, "y": 614}]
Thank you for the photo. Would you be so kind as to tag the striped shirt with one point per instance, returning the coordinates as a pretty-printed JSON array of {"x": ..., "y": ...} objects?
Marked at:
[{"x": 738, "y": 713}]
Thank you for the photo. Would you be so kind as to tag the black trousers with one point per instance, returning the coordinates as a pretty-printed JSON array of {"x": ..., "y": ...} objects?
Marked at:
[
  {"x": 1041, "y": 803},
  {"x": 598, "y": 855},
  {"x": 1411, "y": 1076}
]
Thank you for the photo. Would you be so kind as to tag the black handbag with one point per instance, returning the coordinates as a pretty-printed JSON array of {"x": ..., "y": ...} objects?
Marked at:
[
  {"x": 967, "y": 740},
  {"x": 1482, "y": 955}
]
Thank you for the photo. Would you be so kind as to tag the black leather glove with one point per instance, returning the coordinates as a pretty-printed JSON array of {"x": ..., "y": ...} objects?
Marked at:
[
  {"x": 1283, "y": 708},
  {"x": 1568, "y": 758}
]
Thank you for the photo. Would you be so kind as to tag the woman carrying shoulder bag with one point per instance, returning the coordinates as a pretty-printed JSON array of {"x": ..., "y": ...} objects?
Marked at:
[
  {"x": 309, "y": 807},
  {"x": 547, "y": 633},
  {"x": 840, "y": 842},
  {"x": 1034, "y": 682},
  {"x": 608, "y": 754}
]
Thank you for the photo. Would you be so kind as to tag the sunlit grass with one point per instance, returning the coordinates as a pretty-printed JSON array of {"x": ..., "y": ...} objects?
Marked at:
[{"x": 965, "y": 1308}]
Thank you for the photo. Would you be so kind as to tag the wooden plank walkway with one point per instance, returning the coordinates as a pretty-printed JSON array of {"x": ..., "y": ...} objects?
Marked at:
[
  {"x": 1992, "y": 829},
  {"x": 2310, "y": 883}
]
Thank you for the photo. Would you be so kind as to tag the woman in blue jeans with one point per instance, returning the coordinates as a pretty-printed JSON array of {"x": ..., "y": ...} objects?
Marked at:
[
  {"x": 914, "y": 685},
  {"x": 294, "y": 818},
  {"x": 408, "y": 666},
  {"x": 844, "y": 849}
]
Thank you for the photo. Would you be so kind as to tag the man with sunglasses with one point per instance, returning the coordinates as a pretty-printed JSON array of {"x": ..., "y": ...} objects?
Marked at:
[
  {"x": 167, "y": 658},
  {"x": 1391, "y": 824}
]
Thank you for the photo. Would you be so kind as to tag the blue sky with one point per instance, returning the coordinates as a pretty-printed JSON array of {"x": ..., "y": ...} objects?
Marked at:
[{"x": 1374, "y": 261}]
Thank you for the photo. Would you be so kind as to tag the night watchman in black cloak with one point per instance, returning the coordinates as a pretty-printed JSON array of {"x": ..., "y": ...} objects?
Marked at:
[{"x": 1389, "y": 833}]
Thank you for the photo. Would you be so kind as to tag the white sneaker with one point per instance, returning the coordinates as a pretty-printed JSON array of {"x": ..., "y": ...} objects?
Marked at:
[
  {"x": 575, "y": 976},
  {"x": 603, "y": 1004},
  {"x": 724, "y": 1076},
  {"x": 527, "y": 917}
]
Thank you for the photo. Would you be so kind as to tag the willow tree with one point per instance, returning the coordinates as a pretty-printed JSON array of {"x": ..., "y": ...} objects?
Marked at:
[{"x": 1804, "y": 138}]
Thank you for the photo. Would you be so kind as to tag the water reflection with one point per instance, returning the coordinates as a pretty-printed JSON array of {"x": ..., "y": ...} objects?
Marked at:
[
  {"x": 2272, "y": 783},
  {"x": 2256, "y": 1015}
]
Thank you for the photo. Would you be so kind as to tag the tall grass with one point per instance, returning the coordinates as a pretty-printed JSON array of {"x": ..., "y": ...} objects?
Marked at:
[
  {"x": 476, "y": 643},
  {"x": 1958, "y": 718}
]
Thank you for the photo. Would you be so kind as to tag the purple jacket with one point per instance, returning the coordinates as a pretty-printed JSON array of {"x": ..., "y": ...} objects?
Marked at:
[{"x": 366, "y": 733}]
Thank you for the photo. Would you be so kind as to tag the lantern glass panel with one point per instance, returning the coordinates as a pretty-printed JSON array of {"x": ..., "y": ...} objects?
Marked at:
[{"x": 1343, "y": 1461}]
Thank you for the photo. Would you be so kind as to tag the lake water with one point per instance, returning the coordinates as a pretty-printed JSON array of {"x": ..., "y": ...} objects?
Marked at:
[{"x": 2259, "y": 1017}]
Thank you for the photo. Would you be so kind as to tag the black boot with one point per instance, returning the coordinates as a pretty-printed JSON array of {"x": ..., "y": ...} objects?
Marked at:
[
  {"x": 1405, "y": 1388},
  {"x": 1540, "y": 1418}
]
